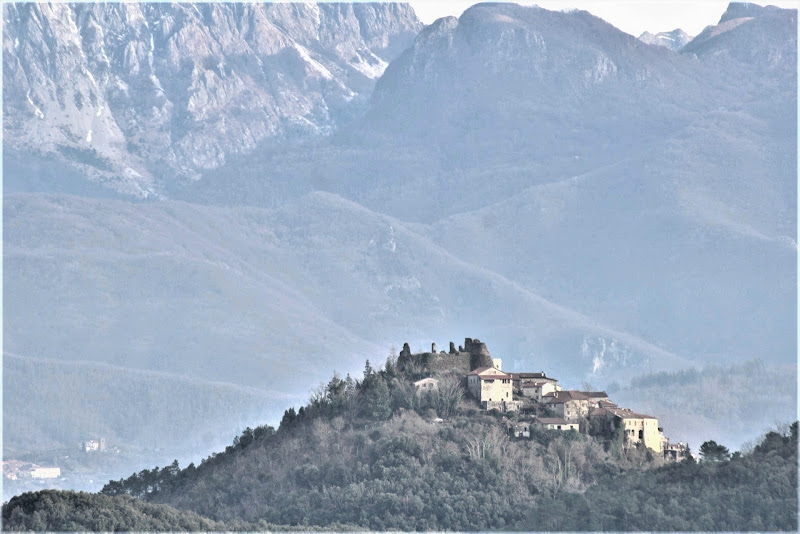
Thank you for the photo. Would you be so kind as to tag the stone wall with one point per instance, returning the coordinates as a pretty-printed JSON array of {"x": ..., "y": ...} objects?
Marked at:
[{"x": 473, "y": 355}]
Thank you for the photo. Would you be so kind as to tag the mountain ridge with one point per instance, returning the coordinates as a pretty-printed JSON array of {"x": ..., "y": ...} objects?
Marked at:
[{"x": 160, "y": 89}]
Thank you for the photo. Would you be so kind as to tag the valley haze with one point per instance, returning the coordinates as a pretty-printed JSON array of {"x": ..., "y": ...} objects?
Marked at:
[{"x": 210, "y": 208}]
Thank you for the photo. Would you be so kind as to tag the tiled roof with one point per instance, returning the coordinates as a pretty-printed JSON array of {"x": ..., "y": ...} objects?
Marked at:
[
  {"x": 623, "y": 413},
  {"x": 559, "y": 397},
  {"x": 496, "y": 373},
  {"x": 528, "y": 376},
  {"x": 593, "y": 394}
]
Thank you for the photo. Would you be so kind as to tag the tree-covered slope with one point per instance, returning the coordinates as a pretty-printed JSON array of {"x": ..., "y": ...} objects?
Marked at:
[
  {"x": 78, "y": 511},
  {"x": 370, "y": 454},
  {"x": 751, "y": 492}
]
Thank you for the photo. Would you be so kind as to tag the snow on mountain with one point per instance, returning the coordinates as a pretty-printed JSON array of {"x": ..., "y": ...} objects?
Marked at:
[{"x": 674, "y": 40}]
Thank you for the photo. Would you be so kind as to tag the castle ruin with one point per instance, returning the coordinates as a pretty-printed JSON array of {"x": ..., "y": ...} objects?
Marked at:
[{"x": 472, "y": 355}]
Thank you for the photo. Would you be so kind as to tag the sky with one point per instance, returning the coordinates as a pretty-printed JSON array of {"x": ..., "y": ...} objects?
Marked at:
[{"x": 630, "y": 16}]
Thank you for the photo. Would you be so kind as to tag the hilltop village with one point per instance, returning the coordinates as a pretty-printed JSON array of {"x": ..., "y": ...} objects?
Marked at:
[{"x": 535, "y": 399}]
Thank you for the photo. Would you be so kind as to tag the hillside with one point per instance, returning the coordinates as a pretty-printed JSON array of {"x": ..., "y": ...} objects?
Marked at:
[
  {"x": 369, "y": 454},
  {"x": 749, "y": 492},
  {"x": 53, "y": 404},
  {"x": 70, "y": 511}
]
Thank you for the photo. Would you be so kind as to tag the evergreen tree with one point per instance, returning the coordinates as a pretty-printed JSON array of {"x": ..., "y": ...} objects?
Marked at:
[{"x": 711, "y": 451}]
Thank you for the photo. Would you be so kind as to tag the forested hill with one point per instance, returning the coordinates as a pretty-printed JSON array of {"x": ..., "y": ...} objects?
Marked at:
[
  {"x": 369, "y": 454},
  {"x": 750, "y": 492}
]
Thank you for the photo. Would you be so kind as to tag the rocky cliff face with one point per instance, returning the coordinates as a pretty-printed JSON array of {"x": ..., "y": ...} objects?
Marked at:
[{"x": 136, "y": 94}]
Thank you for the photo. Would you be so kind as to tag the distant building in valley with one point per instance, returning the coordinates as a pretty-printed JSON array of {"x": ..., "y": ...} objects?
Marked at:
[{"x": 45, "y": 472}]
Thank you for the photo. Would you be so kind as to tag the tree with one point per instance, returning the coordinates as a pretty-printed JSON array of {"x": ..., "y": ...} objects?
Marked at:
[
  {"x": 368, "y": 371},
  {"x": 446, "y": 398},
  {"x": 377, "y": 399},
  {"x": 288, "y": 419},
  {"x": 711, "y": 451}
]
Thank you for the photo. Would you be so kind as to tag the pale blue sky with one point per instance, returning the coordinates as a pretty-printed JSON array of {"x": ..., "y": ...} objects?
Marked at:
[{"x": 631, "y": 16}]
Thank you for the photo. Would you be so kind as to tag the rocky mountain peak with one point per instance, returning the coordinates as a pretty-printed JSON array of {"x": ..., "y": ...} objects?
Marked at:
[
  {"x": 133, "y": 95},
  {"x": 737, "y": 10},
  {"x": 674, "y": 40}
]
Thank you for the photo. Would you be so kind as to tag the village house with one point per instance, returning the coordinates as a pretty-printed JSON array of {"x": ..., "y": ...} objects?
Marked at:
[
  {"x": 521, "y": 429},
  {"x": 488, "y": 384},
  {"x": 673, "y": 452},
  {"x": 596, "y": 398},
  {"x": 426, "y": 384},
  {"x": 536, "y": 389},
  {"x": 637, "y": 428},
  {"x": 570, "y": 405},
  {"x": 554, "y": 423},
  {"x": 519, "y": 378}
]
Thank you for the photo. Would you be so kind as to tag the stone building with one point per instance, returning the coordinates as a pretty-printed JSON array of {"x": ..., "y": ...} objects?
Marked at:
[
  {"x": 521, "y": 429},
  {"x": 487, "y": 384},
  {"x": 569, "y": 404},
  {"x": 541, "y": 376},
  {"x": 536, "y": 389},
  {"x": 637, "y": 428},
  {"x": 675, "y": 452},
  {"x": 426, "y": 384}
]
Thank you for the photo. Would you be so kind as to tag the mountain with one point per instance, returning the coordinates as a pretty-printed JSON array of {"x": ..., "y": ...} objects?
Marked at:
[
  {"x": 754, "y": 40},
  {"x": 674, "y": 40},
  {"x": 653, "y": 191},
  {"x": 137, "y": 96},
  {"x": 585, "y": 203},
  {"x": 710, "y": 395},
  {"x": 261, "y": 298},
  {"x": 131, "y": 409}
]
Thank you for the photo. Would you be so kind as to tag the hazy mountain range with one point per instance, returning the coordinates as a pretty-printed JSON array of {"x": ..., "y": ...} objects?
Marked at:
[{"x": 255, "y": 195}]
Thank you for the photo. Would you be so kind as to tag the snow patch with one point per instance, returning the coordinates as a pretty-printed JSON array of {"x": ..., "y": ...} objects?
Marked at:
[
  {"x": 391, "y": 244},
  {"x": 36, "y": 110},
  {"x": 409, "y": 282},
  {"x": 99, "y": 111},
  {"x": 371, "y": 67},
  {"x": 313, "y": 63},
  {"x": 90, "y": 76},
  {"x": 89, "y": 137}
]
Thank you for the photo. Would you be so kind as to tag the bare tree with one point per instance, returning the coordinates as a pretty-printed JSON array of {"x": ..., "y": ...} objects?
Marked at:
[{"x": 447, "y": 397}]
